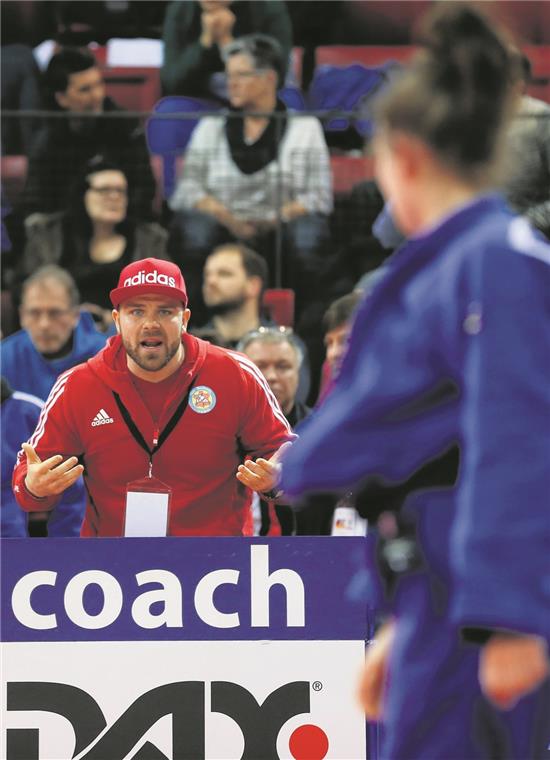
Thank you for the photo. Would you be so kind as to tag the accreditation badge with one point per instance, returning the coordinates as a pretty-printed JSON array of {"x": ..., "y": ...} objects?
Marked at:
[
  {"x": 147, "y": 508},
  {"x": 348, "y": 522}
]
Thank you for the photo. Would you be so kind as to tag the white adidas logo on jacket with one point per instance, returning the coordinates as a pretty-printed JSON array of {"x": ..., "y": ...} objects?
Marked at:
[{"x": 102, "y": 418}]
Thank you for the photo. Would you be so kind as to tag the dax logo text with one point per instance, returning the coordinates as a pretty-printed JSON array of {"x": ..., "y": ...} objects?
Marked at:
[{"x": 184, "y": 701}]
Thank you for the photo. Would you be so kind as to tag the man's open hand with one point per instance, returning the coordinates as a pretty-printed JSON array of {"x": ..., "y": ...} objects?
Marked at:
[
  {"x": 51, "y": 476},
  {"x": 264, "y": 474}
]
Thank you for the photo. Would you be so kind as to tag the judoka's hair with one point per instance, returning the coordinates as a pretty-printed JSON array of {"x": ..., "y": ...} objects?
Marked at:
[{"x": 457, "y": 95}]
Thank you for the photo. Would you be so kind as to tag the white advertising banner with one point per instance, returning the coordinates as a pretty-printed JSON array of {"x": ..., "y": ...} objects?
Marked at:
[{"x": 297, "y": 694}]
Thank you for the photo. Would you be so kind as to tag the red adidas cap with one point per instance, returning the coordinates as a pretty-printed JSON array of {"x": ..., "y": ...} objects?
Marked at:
[{"x": 150, "y": 276}]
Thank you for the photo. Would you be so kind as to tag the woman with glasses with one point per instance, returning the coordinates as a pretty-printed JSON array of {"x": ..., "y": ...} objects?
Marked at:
[
  {"x": 95, "y": 238},
  {"x": 253, "y": 169}
]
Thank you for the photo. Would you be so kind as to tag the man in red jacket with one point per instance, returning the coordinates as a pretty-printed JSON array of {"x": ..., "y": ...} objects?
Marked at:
[{"x": 158, "y": 422}]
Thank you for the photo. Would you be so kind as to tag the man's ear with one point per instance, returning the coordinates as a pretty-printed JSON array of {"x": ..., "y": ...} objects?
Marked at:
[
  {"x": 61, "y": 100},
  {"x": 185, "y": 320},
  {"x": 255, "y": 286},
  {"x": 412, "y": 154},
  {"x": 116, "y": 320},
  {"x": 272, "y": 75}
]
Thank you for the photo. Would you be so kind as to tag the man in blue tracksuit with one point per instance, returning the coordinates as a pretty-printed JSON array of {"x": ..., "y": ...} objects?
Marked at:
[{"x": 55, "y": 338}]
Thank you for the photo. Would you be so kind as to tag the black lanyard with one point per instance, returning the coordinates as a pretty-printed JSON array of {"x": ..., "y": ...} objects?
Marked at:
[{"x": 136, "y": 433}]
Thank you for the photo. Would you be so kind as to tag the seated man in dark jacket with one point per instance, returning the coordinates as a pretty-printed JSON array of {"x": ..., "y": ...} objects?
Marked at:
[
  {"x": 195, "y": 34},
  {"x": 75, "y": 84}
]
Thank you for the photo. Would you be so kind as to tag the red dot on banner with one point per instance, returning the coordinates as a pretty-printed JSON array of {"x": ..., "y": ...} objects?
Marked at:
[{"x": 308, "y": 742}]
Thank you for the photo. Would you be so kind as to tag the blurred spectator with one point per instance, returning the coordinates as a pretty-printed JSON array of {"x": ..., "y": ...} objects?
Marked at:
[
  {"x": 28, "y": 23},
  {"x": 337, "y": 322},
  {"x": 196, "y": 33},
  {"x": 96, "y": 238},
  {"x": 323, "y": 513},
  {"x": 54, "y": 337},
  {"x": 99, "y": 21},
  {"x": 20, "y": 92},
  {"x": 526, "y": 181},
  {"x": 233, "y": 283},
  {"x": 94, "y": 125},
  {"x": 244, "y": 174},
  {"x": 278, "y": 355},
  {"x": 527, "y": 187},
  {"x": 234, "y": 279}
]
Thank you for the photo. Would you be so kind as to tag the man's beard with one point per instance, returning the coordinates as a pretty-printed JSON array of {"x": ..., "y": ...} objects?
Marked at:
[
  {"x": 226, "y": 307},
  {"x": 153, "y": 364}
]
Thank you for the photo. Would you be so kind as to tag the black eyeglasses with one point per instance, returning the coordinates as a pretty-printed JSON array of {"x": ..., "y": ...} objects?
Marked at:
[{"x": 110, "y": 190}]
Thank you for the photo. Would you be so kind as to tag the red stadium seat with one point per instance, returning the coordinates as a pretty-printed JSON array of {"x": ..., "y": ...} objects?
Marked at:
[
  {"x": 134, "y": 88},
  {"x": 347, "y": 171},
  {"x": 539, "y": 55},
  {"x": 297, "y": 57},
  {"x": 527, "y": 20},
  {"x": 14, "y": 175},
  {"x": 279, "y": 303}
]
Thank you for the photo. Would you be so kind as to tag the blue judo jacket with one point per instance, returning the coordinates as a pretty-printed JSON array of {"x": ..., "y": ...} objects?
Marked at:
[{"x": 466, "y": 305}]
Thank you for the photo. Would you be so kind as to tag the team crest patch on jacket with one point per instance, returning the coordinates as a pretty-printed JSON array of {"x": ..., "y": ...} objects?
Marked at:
[{"x": 202, "y": 399}]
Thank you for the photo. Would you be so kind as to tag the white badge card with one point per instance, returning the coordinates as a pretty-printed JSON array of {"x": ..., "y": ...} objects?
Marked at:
[
  {"x": 348, "y": 522},
  {"x": 147, "y": 508}
]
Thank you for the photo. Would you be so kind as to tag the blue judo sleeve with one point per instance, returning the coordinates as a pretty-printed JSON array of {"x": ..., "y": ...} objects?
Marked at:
[
  {"x": 501, "y": 537},
  {"x": 381, "y": 417}
]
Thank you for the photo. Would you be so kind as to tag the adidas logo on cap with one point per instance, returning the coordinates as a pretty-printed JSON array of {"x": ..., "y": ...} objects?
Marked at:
[
  {"x": 149, "y": 278},
  {"x": 102, "y": 418}
]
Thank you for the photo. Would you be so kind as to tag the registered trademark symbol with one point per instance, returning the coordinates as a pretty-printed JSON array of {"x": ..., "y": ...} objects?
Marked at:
[{"x": 317, "y": 686}]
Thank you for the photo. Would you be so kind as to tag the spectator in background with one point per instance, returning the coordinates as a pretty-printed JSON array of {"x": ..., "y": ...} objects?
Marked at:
[
  {"x": 196, "y": 34},
  {"x": 20, "y": 92},
  {"x": 527, "y": 186},
  {"x": 233, "y": 283},
  {"x": 243, "y": 174},
  {"x": 94, "y": 125},
  {"x": 278, "y": 355},
  {"x": 55, "y": 336},
  {"x": 525, "y": 179},
  {"x": 97, "y": 236},
  {"x": 337, "y": 322},
  {"x": 234, "y": 279}
]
